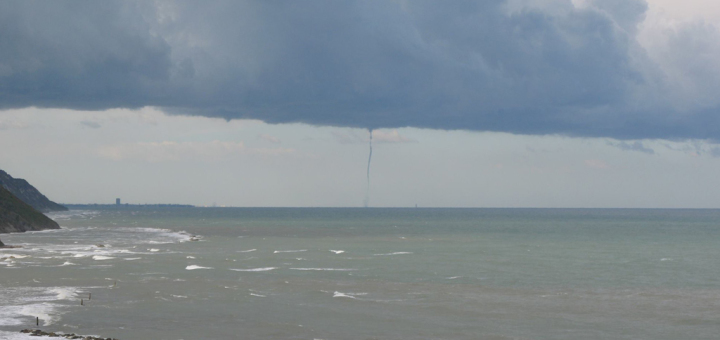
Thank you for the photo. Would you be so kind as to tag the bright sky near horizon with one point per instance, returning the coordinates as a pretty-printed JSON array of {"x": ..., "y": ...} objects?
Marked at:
[{"x": 570, "y": 104}]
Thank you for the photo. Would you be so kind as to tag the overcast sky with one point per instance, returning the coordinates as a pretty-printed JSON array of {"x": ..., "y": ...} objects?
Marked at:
[{"x": 501, "y": 103}]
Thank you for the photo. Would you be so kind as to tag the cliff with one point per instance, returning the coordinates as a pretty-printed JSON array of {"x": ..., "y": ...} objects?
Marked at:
[
  {"x": 18, "y": 216},
  {"x": 28, "y": 194}
]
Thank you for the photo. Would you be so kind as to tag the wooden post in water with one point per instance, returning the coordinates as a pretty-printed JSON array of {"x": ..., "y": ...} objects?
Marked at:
[
  {"x": 81, "y": 302},
  {"x": 37, "y": 321},
  {"x": 89, "y": 296}
]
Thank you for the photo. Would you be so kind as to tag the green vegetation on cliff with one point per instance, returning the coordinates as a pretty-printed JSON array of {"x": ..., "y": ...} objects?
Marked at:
[{"x": 18, "y": 216}]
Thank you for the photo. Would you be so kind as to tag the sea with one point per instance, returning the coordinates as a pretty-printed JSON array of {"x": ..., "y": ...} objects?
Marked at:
[{"x": 366, "y": 273}]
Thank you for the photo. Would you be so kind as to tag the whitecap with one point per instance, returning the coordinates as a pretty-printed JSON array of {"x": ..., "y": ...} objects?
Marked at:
[
  {"x": 254, "y": 269},
  {"x": 326, "y": 269},
  {"x": 44, "y": 311},
  {"x": 347, "y": 295},
  {"x": 193, "y": 267},
  {"x": 154, "y": 250},
  {"x": 190, "y": 257},
  {"x": 246, "y": 251},
  {"x": 258, "y": 295},
  {"x": 67, "y": 263},
  {"x": 337, "y": 251},
  {"x": 102, "y": 258},
  {"x": 63, "y": 293},
  {"x": 16, "y": 336},
  {"x": 133, "y": 258}
]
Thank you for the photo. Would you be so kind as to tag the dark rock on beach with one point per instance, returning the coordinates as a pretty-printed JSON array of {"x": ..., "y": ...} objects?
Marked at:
[
  {"x": 28, "y": 194},
  {"x": 37, "y": 332}
]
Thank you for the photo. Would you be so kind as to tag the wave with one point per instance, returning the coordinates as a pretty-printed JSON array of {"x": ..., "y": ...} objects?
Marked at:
[
  {"x": 326, "y": 269},
  {"x": 395, "y": 253},
  {"x": 21, "y": 303},
  {"x": 254, "y": 269},
  {"x": 194, "y": 267},
  {"x": 289, "y": 251},
  {"x": 348, "y": 295},
  {"x": 66, "y": 215}
]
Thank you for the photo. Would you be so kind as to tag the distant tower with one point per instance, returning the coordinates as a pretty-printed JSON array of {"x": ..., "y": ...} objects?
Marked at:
[{"x": 117, "y": 201}]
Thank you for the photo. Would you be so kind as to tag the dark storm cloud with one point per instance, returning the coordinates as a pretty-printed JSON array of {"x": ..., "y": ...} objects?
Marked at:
[
  {"x": 635, "y": 146},
  {"x": 478, "y": 65}
]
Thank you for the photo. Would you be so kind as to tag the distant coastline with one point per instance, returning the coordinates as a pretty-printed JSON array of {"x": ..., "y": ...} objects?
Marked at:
[{"x": 124, "y": 206}]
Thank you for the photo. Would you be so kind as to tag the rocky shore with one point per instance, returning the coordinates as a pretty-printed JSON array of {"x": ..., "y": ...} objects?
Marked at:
[{"x": 37, "y": 332}]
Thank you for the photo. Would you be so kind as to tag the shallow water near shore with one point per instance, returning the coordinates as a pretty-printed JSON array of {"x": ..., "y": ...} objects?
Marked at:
[{"x": 367, "y": 274}]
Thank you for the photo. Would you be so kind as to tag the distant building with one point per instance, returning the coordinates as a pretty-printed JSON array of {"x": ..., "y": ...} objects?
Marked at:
[{"x": 117, "y": 201}]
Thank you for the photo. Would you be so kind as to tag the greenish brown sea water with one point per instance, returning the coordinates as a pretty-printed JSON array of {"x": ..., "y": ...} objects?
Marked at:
[{"x": 368, "y": 274}]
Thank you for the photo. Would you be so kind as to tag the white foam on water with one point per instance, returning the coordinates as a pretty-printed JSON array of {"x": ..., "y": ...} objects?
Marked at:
[
  {"x": 246, "y": 251},
  {"x": 665, "y": 259},
  {"x": 64, "y": 293},
  {"x": 326, "y": 269},
  {"x": 161, "y": 236},
  {"x": 348, "y": 295},
  {"x": 154, "y": 250},
  {"x": 258, "y": 295},
  {"x": 21, "y": 305},
  {"x": 67, "y": 263},
  {"x": 190, "y": 257},
  {"x": 453, "y": 277},
  {"x": 337, "y": 251},
  {"x": 194, "y": 267},
  {"x": 44, "y": 311},
  {"x": 289, "y": 251},
  {"x": 254, "y": 269},
  {"x": 133, "y": 258},
  {"x": 395, "y": 253},
  {"x": 16, "y": 336},
  {"x": 66, "y": 215},
  {"x": 102, "y": 258}
]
